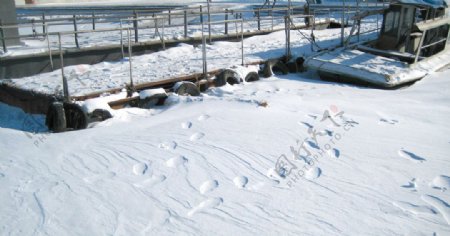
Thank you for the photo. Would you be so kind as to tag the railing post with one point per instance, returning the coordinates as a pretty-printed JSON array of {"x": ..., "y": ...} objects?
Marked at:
[
  {"x": 419, "y": 48},
  {"x": 121, "y": 40},
  {"x": 287, "y": 28},
  {"x": 226, "y": 21},
  {"x": 205, "y": 65},
  {"x": 162, "y": 37},
  {"x": 130, "y": 55},
  {"x": 342, "y": 22},
  {"x": 48, "y": 47},
  {"x": 2, "y": 34},
  {"x": 258, "y": 15},
  {"x": 170, "y": 18},
  {"x": 33, "y": 28},
  {"x": 44, "y": 30},
  {"x": 93, "y": 20},
  {"x": 185, "y": 24},
  {"x": 61, "y": 60},
  {"x": 201, "y": 14},
  {"x": 209, "y": 21},
  {"x": 242, "y": 41},
  {"x": 75, "y": 28},
  {"x": 135, "y": 26}
]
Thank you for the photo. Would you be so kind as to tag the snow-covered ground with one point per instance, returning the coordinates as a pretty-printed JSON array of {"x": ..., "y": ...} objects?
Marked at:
[
  {"x": 207, "y": 165},
  {"x": 177, "y": 61},
  {"x": 287, "y": 155}
]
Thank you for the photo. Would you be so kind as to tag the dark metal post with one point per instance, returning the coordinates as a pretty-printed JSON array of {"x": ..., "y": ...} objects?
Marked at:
[
  {"x": 43, "y": 24},
  {"x": 130, "y": 55},
  {"x": 61, "y": 60},
  {"x": 201, "y": 14},
  {"x": 170, "y": 19},
  {"x": 342, "y": 22},
  {"x": 185, "y": 24},
  {"x": 33, "y": 28},
  {"x": 205, "y": 64},
  {"x": 287, "y": 28},
  {"x": 93, "y": 20},
  {"x": 135, "y": 26},
  {"x": 226, "y": 21},
  {"x": 259, "y": 19},
  {"x": 242, "y": 42},
  {"x": 209, "y": 21},
  {"x": 75, "y": 28},
  {"x": 2, "y": 34}
]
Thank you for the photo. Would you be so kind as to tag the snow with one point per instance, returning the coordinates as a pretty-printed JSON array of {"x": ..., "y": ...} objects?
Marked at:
[
  {"x": 375, "y": 69},
  {"x": 355, "y": 160},
  {"x": 202, "y": 165},
  {"x": 176, "y": 61},
  {"x": 151, "y": 92}
]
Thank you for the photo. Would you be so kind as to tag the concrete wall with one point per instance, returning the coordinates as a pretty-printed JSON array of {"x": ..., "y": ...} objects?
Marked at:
[{"x": 8, "y": 16}]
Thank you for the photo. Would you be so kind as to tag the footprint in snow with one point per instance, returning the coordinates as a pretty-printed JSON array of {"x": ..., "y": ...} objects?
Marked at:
[
  {"x": 196, "y": 136},
  {"x": 148, "y": 183},
  {"x": 205, "y": 205},
  {"x": 334, "y": 153},
  {"x": 312, "y": 116},
  {"x": 313, "y": 144},
  {"x": 411, "y": 185},
  {"x": 168, "y": 145},
  {"x": 240, "y": 181},
  {"x": 441, "y": 182},
  {"x": 174, "y": 162},
  {"x": 203, "y": 117},
  {"x": 389, "y": 121},
  {"x": 313, "y": 173},
  {"x": 410, "y": 156},
  {"x": 308, "y": 125},
  {"x": 208, "y": 186},
  {"x": 186, "y": 125},
  {"x": 140, "y": 168}
]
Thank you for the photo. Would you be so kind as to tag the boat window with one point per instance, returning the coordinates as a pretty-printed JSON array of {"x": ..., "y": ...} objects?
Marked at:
[
  {"x": 407, "y": 18},
  {"x": 391, "y": 23}
]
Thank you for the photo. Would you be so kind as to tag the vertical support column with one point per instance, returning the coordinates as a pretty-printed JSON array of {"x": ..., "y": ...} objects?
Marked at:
[
  {"x": 93, "y": 20},
  {"x": 170, "y": 17},
  {"x": 44, "y": 30},
  {"x": 342, "y": 23},
  {"x": 121, "y": 40},
  {"x": 242, "y": 42},
  {"x": 287, "y": 28},
  {"x": 205, "y": 65},
  {"x": 185, "y": 24},
  {"x": 258, "y": 15},
  {"x": 135, "y": 26},
  {"x": 419, "y": 48},
  {"x": 61, "y": 60},
  {"x": 209, "y": 21},
  {"x": 2, "y": 34},
  {"x": 226, "y": 21},
  {"x": 201, "y": 14},
  {"x": 130, "y": 55},
  {"x": 75, "y": 28},
  {"x": 49, "y": 49}
]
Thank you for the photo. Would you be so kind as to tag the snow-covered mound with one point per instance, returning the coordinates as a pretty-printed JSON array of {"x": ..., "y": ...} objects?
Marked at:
[{"x": 317, "y": 158}]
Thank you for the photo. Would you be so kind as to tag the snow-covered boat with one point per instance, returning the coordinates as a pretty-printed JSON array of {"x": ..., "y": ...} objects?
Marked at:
[{"x": 413, "y": 41}]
